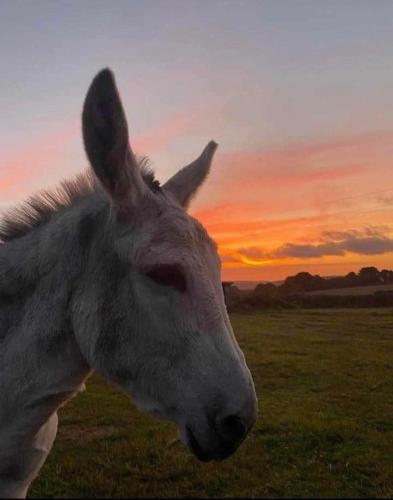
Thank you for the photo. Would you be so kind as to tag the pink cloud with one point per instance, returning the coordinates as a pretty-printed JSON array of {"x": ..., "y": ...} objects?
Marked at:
[
  {"x": 306, "y": 164},
  {"x": 155, "y": 140},
  {"x": 303, "y": 175},
  {"x": 25, "y": 165},
  {"x": 182, "y": 123},
  {"x": 23, "y": 169}
]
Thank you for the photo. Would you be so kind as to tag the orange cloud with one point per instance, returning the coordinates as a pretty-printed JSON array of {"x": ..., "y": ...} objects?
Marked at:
[
  {"x": 262, "y": 199},
  {"x": 304, "y": 166},
  {"x": 266, "y": 199}
]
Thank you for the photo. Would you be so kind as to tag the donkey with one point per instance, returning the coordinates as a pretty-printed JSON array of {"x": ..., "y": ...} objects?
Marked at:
[{"x": 110, "y": 273}]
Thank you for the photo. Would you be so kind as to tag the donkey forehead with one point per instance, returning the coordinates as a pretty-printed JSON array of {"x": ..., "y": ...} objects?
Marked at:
[
  {"x": 173, "y": 232},
  {"x": 177, "y": 228}
]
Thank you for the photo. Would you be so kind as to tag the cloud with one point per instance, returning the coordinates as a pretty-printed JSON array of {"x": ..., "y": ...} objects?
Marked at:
[
  {"x": 250, "y": 171},
  {"x": 186, "y": 122},
  {"x": 156, "y": 139},
  {"x": 378, "y": 231},
  {"x": 368, "y": 241},
  {"x": 251, "y": 252},
  {"x": 369, "y": 246},
  {"x": 309, "y": 177},
  {"x": 307, "y": 163},
  {"x": 25, "y": 167},
  {"x": 384, "y": 198},
  {"x": 308, "y": 251},
  {"x": 339, "y": 235},
  {"x": 356, "y": 245},
  {"x": 280, "y": 200}
]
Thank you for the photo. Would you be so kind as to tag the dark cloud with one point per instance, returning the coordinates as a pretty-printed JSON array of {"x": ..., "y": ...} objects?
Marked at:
[
  {"x": 367, "y": 241},
  {"x": 369, "y": 246},
  {"x": 252, "y": 252},
  {"x": 308, "y": 251},
  {"x": 371, "y": 240},
  {"x": 370, "y": 231},
  {"x": 361, "y": 246},
  {"x": 340, "y": 235}
]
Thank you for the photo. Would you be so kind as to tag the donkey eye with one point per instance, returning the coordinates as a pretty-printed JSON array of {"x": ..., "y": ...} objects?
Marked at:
[{"x": 169, "y": 275}]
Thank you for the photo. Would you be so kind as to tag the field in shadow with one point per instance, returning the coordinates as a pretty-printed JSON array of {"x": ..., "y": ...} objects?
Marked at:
[{"x": 324, "y": 380}]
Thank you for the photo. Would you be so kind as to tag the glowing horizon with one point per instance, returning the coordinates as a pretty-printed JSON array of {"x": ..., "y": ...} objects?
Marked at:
[{"x": 296, "y": 94}]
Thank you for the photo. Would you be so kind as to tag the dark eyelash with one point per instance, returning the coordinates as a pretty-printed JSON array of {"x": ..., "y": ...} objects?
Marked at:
[{"x": 169, "y": 275}]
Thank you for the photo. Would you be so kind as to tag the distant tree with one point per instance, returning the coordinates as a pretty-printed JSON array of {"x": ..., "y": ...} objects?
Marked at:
[
  {"x": 265, "y": 290},
  {"x": 336, "y": 282},
  {"x": 386, "y": 276},
  {"x": 303, "y": 282},
  {"x": 306, "y": 282},
  {"x": 369, "y": 276},
  {"x": 291, "y": 293},
  {"x": 351, "y": 279}
]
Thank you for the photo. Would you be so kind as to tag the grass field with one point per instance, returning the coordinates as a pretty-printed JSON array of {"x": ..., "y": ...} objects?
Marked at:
[{"x": 325, "y": 384}]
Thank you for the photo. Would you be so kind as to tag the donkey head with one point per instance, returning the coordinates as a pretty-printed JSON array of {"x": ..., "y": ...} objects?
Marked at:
[{"x": 153, "y": 301}]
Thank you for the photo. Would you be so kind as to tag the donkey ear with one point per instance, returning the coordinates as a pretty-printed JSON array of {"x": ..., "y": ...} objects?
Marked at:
[
  {"x": 105, "y": 136},
  {"x": 186, "y": 182}
]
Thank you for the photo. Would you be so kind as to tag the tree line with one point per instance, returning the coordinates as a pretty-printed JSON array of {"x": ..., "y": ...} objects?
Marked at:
[
  {"x": 306, "y": 282},
  {"x": 292, "y": 292}
]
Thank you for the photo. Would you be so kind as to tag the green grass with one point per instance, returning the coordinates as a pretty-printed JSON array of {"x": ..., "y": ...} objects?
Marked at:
[{"x": 325, "y": 385}]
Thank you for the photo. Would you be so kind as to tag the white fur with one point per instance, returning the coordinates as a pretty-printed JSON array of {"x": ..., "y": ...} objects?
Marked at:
[{"x": 177, "y": 353}]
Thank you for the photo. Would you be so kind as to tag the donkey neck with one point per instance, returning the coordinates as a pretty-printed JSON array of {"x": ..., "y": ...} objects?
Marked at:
[{"x": 41, "y": 365}]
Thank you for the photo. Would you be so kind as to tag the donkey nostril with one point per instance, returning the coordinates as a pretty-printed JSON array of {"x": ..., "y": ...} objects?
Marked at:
[{"x": 232, "y": 427}]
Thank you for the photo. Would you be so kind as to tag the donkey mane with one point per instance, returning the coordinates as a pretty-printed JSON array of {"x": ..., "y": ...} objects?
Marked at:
[{"x": 39, "y": 208}]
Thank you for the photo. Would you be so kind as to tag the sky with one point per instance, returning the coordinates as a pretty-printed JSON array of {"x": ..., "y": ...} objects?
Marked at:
[{"x": 297, "y": 94}]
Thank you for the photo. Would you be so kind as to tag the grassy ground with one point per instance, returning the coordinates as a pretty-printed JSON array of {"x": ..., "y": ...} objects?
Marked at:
[{"x": 324, "y": 380}]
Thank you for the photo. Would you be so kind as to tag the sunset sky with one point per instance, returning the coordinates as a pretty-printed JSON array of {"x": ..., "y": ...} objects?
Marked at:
[{"x": 298, "y": 94}]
